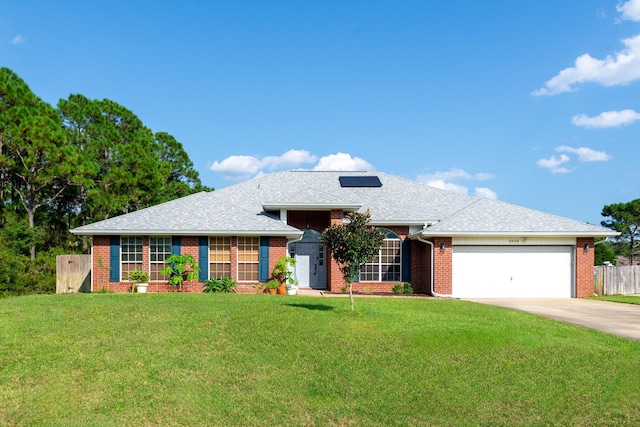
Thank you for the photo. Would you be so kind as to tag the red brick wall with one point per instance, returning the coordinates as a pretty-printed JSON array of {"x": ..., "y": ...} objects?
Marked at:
[
  {"x": 100, "y": 270},
  {"x": 334, "y": 276},
  {"x": 584, "y": 267},
  {"x": 442, "y": 266},
  {"x": 420, "y": 267},
  {"x": 101, "y": 266}
]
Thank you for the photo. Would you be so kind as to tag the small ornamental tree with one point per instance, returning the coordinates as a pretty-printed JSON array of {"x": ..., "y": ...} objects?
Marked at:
[{"x": 352, "y": 244}]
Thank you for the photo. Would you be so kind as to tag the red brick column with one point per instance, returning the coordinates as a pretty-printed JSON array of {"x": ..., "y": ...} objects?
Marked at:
[
  {"x": 190, "y": 245},
  {"x": 442, "y": 266},
  {"x": 101, "y": 266},
  {"x": 420, "y": 267},
  {"x": 584, "y": 266},
  {"x": 334, "y": 275}
]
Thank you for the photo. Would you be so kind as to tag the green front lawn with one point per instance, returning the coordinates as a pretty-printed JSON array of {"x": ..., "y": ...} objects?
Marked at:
[{"x": 259, "y": 360}]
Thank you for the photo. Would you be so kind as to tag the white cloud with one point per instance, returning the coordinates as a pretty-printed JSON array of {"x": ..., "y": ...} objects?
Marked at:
[
  {"x": 619, "y": 69},
  {"x": 442, "y": 180},
  {"x": 558, "y": 164},
  {"x": 554, "y": 164},
  {"x": 18, "y": 39},
  {"x": 607, "y": 119},
  {"x": 237, "y": 168},
  {"x": 241, "y": 168},
  {"x": 290, "y": 159},
  {"x": 342, "y": 162},
  {"x": 485, "y": 193},
  {"x": 454, "y": 173},
  {"x": 585, "y": 154},
  {"x": 630, "y": 10},
  {"x": 448, "y": 186}
]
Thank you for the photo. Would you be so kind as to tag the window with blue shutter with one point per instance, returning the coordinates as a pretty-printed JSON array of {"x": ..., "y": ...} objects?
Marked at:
[
  {"x": 175, "y": 245},
  {"x": 114, "y": 259},
  {"x": 406, "y": 260},
  {"x": 203, "y": 258},
  {"x": 263, "y": 268}
]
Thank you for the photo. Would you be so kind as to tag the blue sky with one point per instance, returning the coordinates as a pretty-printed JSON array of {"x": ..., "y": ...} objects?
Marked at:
[{"x": 536, "y": 103}]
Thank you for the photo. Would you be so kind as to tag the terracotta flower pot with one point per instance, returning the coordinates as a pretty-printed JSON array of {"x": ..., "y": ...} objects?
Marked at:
[{"x": 272, "y": 291}]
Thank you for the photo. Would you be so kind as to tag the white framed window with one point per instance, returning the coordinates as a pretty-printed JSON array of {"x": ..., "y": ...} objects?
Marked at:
[
  {"x": 130, "y": 255},
  {"x": 219, "y": 257},
  {"x": 159, "y": 250},
  {"x": 248, "y": 259},
  {"x": 386, "y": 265}
]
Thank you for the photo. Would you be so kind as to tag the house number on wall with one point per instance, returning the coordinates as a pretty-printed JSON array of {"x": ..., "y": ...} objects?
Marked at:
[{"x": 514, "y": 241}]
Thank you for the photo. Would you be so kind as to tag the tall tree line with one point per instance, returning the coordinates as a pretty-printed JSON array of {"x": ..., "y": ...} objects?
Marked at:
[
  {"x": 62, "y": 167},
  {"x": 624, "y": 218}
]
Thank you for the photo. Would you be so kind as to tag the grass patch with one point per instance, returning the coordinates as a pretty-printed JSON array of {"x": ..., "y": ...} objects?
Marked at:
[
  {"x": 255, "y": 360},
  {"x": 618, "y": 298}
]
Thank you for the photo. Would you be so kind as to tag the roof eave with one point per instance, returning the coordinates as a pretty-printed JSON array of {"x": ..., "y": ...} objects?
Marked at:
[
  {"x": 382, "y": 222},
  {"x": 288, "y": 233},
  {"x": 272, "y": 206},
  {"x": 426, "y": 234}
]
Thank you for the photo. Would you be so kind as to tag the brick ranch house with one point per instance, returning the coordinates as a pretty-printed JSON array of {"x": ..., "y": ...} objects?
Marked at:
[{"x": 445, "y": 244}]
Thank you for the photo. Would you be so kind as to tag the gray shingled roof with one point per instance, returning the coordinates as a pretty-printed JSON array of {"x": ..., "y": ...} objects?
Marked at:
[
  {"x": 240, "y": 209},
  {"x": 493, "y": 217}
]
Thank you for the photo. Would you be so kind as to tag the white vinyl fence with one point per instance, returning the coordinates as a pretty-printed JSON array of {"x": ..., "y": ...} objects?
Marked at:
[{"x": 617, "y": 280}]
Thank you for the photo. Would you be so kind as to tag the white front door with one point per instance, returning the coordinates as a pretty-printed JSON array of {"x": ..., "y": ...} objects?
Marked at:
[{"x": 311, "y": 266}]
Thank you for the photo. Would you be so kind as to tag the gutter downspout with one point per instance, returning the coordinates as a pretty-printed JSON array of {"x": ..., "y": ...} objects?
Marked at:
[{"x": 420, "y": 239}]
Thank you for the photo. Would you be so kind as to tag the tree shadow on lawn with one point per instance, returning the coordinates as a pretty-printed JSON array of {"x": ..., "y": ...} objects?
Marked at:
[{"x": 318, "y": 307}]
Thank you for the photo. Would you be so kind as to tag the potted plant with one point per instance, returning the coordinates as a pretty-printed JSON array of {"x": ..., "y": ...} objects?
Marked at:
[
  {"x": 258, "y": 287},
  {"x": 292, "y": 289},
  {"x": 272, "y": 286},
  {"x": 180, "y": 268},
  {"x": 140, "y": 279},
  {"x": 283, "y": 273}
]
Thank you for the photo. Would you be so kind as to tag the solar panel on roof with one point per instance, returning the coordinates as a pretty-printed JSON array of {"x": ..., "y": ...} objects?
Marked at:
[{"x": 360, "y": 181}]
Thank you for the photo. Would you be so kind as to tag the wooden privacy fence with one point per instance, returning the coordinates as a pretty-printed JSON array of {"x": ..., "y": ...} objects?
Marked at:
[
  {"x": 623, "y": 280},
  {"x": 73, "y": 273}
]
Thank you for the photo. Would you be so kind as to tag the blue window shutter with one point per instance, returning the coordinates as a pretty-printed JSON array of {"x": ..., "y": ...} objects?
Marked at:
[
  {"x": 203, "y": 258},
  {"x": 264, "y": 259},
  {"x": 356, "y": 279},
  {"x": 114, "y": 259},
  {"x": 175, "y": 245},
  {"x": 406, "y": 260}
]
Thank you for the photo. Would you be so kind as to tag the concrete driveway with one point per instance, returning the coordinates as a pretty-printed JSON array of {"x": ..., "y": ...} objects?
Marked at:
[{"x": 614, "y": 318}]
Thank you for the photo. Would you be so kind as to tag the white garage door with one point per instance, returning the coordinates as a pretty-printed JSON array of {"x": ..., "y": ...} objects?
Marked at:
[{"x": 512, "y": 271}]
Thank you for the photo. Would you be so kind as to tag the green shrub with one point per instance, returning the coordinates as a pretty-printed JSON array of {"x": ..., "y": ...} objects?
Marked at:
[
  {"x": 12, "y": 271},
  {"x": 402, "y": 288},
  {"x": 219, "y": 285}
]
